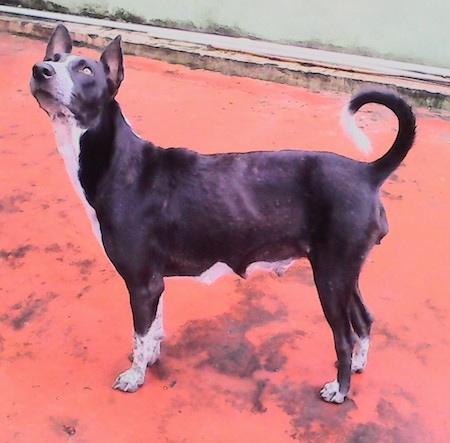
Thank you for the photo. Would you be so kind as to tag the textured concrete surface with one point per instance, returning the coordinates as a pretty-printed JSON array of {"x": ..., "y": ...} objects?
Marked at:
[{"x": 244, "y": 359}]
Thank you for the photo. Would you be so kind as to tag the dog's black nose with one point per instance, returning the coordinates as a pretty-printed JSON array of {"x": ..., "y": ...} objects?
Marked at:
[{"x": 43, "y": 71}]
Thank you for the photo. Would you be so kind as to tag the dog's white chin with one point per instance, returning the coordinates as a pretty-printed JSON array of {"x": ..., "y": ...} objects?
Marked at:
[{"x": 52, "y": 106}]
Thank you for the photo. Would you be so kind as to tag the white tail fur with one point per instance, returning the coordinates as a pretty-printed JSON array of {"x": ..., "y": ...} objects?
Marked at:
[{"x": 348, "y": 122}]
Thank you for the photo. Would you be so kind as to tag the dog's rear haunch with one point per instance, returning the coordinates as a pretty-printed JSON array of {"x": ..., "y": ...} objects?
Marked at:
[{"x": 168, "y": 212}]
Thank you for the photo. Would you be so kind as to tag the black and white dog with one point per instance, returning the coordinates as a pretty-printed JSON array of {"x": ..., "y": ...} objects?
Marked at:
[{"x": 173, "y": 212}]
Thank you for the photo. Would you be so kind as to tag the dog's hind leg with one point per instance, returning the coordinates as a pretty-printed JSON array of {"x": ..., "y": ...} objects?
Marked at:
[
  {"x": 335, "y": 280},
  {"x": 147, "y": 307},
  {"x": 361, "y": 320}
]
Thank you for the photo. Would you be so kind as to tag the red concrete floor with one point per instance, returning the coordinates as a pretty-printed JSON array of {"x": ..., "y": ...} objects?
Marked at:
[{"x": 244, "y": 359}]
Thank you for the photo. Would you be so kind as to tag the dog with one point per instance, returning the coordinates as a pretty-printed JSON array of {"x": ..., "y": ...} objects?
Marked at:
[{"x": 173, "y": 212}]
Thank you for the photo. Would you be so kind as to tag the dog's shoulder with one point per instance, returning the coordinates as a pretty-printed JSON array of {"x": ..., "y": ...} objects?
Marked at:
[{"x": 175, "y": 158}]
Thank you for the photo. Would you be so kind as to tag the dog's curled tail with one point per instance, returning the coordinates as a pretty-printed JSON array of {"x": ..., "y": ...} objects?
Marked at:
[{"x": 389, "y": 162}]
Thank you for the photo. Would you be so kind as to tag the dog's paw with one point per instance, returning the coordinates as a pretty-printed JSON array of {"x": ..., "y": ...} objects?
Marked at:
[
  {"x": 358, "y": 364},
  {"x": 130, "y": 380},
  {"x": 359, "y": 357},
  {"x": 330, "y": 393}
]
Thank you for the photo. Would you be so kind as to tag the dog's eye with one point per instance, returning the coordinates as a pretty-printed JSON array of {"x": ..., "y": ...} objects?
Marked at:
[{"x": 86, "y": 70}]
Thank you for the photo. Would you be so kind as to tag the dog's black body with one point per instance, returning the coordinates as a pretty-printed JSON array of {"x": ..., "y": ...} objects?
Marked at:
[{"x": 171, "y": 212}]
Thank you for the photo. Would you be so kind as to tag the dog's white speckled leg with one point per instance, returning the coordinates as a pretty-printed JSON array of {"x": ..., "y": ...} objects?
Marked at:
[
  {"x": 146, "y": 351},
  {"x": 359, "y": 357},
  {"x": 330, "y": 393}
]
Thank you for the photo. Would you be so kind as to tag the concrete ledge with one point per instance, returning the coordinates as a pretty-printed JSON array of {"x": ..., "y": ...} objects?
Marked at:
[{"x": 428, "y": 89}]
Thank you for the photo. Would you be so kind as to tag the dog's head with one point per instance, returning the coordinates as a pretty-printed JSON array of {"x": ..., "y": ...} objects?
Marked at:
[{"x": 69, "y": 86}]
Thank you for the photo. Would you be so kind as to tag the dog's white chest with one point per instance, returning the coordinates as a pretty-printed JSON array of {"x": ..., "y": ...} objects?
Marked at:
[{"x": 68, "y": 136}]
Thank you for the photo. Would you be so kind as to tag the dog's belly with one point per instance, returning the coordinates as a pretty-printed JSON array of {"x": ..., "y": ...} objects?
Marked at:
[
  {"x": 220, "y": 269},
  {"x": 232, "y": 251},
  {"x": 276, "y": 258}
]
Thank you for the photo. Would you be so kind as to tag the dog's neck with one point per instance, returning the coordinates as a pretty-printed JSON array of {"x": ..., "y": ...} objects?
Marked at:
[
  {"x": 68, "y": 136},
  {"x": 109, "y": 145}
]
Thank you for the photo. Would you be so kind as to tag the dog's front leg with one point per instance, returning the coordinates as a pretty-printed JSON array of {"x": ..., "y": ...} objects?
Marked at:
[{"x": 147, "y": 307}]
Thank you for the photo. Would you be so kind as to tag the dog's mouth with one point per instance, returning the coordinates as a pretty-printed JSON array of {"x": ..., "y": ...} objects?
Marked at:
[
  {"x": 41, "y": 95},
  {"x": 59, "y": 107},
  {"x": 51, "y": 104}
]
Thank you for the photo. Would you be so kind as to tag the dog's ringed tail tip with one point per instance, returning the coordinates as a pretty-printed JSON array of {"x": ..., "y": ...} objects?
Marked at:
[{"x": 348, "y": 122}]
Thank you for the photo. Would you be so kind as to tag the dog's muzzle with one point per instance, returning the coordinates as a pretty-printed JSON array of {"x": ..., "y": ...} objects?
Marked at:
[{"x": 43, "y": 71}]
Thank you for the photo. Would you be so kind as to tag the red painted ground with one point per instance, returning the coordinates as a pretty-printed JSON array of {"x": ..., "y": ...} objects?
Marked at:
[{"x": 243, "y": 360}]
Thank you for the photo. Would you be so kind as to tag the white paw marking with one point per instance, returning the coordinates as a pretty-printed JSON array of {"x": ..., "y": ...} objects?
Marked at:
[
  {"x": 330, "y": 393},
  {"x": 146, "y": 351},
  {"x": 130, "y": 380},
  {"x": 359, "y": 356}
]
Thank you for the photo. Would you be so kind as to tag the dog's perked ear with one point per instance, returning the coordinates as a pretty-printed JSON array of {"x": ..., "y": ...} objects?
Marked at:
[
  {"x": 112, "y": 60},
  {"x": 60, "y": 43}
]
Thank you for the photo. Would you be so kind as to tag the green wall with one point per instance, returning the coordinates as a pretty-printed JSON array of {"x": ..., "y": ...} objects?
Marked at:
[{"x": 406, "y": 30}]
